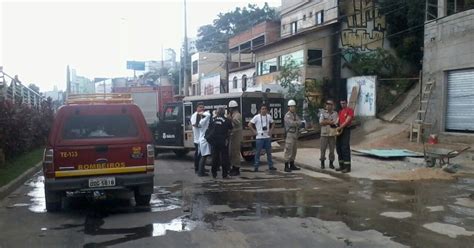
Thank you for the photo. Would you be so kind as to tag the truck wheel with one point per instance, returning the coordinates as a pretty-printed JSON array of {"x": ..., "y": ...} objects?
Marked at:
[
  {"x": 248, "y": 158},
  {"x": 53, "y": 200},
  {"x": 142, "y": 200},
  {"x": 181, "y": 153}
]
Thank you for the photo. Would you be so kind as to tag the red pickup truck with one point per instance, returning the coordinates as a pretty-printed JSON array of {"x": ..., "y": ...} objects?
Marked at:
[{"x": 98, "y": 143}]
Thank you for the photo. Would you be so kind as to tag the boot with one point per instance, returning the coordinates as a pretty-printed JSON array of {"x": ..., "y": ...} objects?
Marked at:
[
  {"x": 347, "y": 168},
  {"x": 331, "y": 164},
  {"x": 341, "y": 166},
  {"x": 322, "y": 164},
  {"x": 293, "y": 166},
  {"x": 235, "y": 171},
  {"x": 287, "y": 167}
]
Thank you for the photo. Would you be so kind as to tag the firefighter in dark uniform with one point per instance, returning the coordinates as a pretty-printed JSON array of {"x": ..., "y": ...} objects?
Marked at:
[
  {"x": 343, "y": 148},
  {"x": 222, "y": 127}
]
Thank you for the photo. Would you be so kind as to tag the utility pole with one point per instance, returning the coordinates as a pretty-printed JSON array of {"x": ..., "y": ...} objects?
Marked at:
[
  {"x": 68, "y": 81},
  {"x": 185, "y": 77}
]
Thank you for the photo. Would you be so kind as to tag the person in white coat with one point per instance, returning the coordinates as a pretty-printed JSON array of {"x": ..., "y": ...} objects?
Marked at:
[{"x": 204, "y": 146}]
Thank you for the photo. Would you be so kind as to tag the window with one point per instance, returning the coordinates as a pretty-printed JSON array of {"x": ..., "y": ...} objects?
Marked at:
[
  {"x": 311, "y": 14},
  {"x": 294, "y": 27},
  {"x": 234, "y": 83},
  {"x": 320, "y": 17},
  {"x": 195, "y": 67},
  {"x": 315, "y": 57},
  {"x": 244, "y": 82},
  {"x": 254, "y": 78},
  {"x": 304, "y": 17},
  {"x": 267, "y": 66},
  {"x": 297, "y": 56},
  {"x": 99, "y": 127},
  {"x": 171, "y": 113}
]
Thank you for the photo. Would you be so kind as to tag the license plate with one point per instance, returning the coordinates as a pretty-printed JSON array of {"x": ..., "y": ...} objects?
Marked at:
[{"x": 101, "y": 182}]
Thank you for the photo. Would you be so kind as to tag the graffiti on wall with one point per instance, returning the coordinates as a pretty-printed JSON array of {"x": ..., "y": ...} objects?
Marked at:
[
  {"x": 367, "y": 92},
  {"x": 364, "y": 28}
]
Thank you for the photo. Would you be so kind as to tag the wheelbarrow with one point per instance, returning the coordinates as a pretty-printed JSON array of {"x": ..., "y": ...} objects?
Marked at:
[{"x": 443, "y": 155}]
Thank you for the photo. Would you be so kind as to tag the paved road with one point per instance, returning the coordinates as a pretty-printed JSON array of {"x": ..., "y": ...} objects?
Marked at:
[{"x": 304, "y": 209}]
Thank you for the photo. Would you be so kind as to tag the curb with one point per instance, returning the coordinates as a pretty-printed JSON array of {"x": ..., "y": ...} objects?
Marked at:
[
  {"x": 17, "y": 182},
  {"x": 312, "y": 168}
]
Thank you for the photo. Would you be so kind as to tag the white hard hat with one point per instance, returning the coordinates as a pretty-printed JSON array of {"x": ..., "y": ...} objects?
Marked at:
[
  {"x": 291, "y": 103},
  {"x": 233, "y": 104}
]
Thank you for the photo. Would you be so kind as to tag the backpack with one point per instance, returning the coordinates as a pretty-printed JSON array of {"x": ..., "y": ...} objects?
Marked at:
[{"x": 210, "y": 133}]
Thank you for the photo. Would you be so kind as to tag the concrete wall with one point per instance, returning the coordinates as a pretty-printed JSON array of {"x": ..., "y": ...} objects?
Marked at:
[
  {"x": 305, "y": 16},
  {"x": 239, "y": 74},
  {"x": 208, "y": 64},
  {"x": 271, "y": 30},
  {"x": 448, "y": 45}
]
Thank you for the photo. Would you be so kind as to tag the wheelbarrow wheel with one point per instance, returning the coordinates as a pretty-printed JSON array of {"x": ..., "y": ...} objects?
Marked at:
[{"x": 430, "y": 162}]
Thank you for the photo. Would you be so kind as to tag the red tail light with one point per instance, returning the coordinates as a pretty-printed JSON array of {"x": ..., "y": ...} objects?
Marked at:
[{"x": 48, "y": 162}]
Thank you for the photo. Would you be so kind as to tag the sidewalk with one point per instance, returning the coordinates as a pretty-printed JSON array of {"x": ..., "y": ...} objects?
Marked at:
[{"x": 372, "y": 168}]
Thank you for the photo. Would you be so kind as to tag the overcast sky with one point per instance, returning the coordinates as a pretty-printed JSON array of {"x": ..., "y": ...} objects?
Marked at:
[{"x": 38, "y": 39}]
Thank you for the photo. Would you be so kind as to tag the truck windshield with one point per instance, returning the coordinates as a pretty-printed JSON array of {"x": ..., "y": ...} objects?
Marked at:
[
  {"x": 99, "y": 127},
  {"x": 171, "y": 113}
]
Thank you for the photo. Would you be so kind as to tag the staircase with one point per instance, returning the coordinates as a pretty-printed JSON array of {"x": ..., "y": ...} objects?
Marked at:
[{"x": 418, "y": 126}]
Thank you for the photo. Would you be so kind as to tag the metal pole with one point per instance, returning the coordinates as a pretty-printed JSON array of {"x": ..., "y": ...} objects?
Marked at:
[{"x": 186, "y": 82}]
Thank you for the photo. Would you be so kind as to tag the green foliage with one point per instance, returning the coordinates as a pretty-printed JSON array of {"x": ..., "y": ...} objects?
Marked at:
[
  {"x": 288, "y": 78},
  {"x": 407, "y": 44},
  {"x": 22, "y": 127},
  {"x": 379, "y": 62},
  {"x": 213, "y": 37}
]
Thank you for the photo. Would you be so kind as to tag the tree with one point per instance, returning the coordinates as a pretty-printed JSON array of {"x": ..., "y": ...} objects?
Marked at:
[
  {"x": 213, "y": 37},
  {"x": 406, "y": 44},
  {"x": 288, "y": 78},
  {"x": 379, "y": 62}
]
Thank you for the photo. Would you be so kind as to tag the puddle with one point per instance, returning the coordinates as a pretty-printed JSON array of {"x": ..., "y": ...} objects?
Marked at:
[
  {"x": 181, "y": 224},
  {"x": 38, "y": 203},
  {"x": 93, "y": 227},
  {"x": 447, "y": 229},
  {"x": 435, "y": 208},
  {"x": 390, "y": 207},
  {"x": 397, "y": 215}
]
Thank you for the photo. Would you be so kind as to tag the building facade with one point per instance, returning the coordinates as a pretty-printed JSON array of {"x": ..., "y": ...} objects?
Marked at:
[
  {"x": 307, "y": 38},
  {"x": 449, "y": 63},
  {"x": 242, "y": 71},
  {"x": 204, "y": 65}
]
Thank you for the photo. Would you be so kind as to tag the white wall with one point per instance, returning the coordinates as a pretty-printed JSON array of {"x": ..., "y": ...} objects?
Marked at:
[{"x": 366, "y": 105}]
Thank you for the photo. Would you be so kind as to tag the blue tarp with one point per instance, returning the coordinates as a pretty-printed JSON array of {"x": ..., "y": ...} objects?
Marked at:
[{"x": 389, "y": 153}]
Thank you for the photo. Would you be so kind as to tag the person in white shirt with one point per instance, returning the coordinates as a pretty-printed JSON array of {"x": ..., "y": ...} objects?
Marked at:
[
  {"x": 204, "y": 146},
  {"x": 262, "y": 127},
  {"x": 195, "y": 118}
]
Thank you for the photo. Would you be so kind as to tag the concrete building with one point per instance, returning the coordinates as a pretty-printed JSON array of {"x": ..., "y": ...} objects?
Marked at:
[
  {"x": 80, "y": 84},
  {"x": 242, "y": 58},
  {"x": 449, "y": 63},
  {"x": 204, "y": 65},
  {"x": 307, "y": 28}
]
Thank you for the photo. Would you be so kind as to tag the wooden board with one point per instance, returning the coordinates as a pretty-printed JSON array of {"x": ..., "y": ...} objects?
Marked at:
[{"x": 354, "y": 96}]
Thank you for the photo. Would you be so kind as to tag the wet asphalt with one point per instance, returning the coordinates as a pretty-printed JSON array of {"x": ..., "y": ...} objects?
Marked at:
[{"x": 265, "y": 209}]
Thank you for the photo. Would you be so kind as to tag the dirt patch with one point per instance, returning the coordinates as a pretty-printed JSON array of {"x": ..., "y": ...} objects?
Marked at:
[{"x": 422, "y": 173}]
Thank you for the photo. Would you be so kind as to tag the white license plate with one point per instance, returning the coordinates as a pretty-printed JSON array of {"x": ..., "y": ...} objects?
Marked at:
[{"x": 101, "y": 182}]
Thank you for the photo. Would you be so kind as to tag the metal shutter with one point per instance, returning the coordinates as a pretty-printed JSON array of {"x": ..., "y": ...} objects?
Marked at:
[{"x": 460, "y": 101}]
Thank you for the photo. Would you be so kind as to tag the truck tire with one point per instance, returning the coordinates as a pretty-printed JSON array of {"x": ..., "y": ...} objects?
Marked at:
[
  {"x": 142, "y": 200},
  {"x": 181, "y": 153},
  {"x": 248, "y": 158},
  {"x": 53, "y": 200}
]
